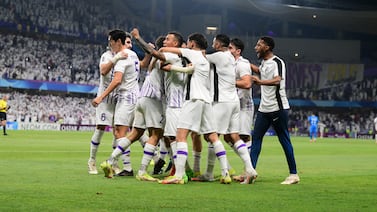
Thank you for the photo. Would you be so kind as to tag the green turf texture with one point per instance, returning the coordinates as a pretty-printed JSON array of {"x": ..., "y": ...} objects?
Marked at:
[{"x": 47, "y": 171}]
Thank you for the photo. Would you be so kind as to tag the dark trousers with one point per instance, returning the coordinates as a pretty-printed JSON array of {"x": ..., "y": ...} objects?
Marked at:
[{"x": 279, "y": 121}]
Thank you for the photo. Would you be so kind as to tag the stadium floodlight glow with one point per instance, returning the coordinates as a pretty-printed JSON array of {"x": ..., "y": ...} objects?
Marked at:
[
  {"x": 211, "y": 28},
  {"x": 294, "y": 6}
]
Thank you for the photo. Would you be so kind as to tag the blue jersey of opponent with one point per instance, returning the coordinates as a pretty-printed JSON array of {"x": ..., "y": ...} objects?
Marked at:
[{"x": 313, "y": 121}]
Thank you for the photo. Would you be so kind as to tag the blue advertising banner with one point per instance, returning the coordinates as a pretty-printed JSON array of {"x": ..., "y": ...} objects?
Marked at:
[
  {"x": 48, "y": 86},
  {"x": 12, "y": 125}
]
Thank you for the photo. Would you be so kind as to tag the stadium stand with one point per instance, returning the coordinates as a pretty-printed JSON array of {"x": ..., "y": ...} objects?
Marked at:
[{"x": 62, "y": 40}]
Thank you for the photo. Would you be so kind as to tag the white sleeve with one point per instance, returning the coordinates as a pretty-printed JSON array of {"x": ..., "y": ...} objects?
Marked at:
[
  {"x": 244, "y": 69},
  {"x": 188, "y": 69},
  {"x": 121, "y": 65},
  {"x": 106, "y": 57},
  {"x": 212, "y": 58}
]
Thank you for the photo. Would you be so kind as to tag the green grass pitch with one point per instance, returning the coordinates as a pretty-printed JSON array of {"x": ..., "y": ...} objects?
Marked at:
[{"x": 47, "y": 171}]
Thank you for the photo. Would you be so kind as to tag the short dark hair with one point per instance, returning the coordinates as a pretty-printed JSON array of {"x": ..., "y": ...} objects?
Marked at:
[
  {"x": 128, "y": 35},
  {"x": 199, "y": 39},
  {"x": 177, "y": 36},
  {"x": 238, "y": 43},
  {"x": 223, "y": 39},
  {"x": 159, "y": 42},
  {"x": 269, "y": 41},
  {"x": 118, "y": 34}
]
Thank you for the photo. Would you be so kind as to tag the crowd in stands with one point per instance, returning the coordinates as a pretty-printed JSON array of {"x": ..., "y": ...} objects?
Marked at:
[
  {"x": 336, "y": 120},
  {"x": 365, "y": 90},
  {"x": 89, "y": 19},
  {"x": 78, "y": 110},
  {"x": 48, "y": 60},
  {"x": 49, "y": 108},
  {"x": 30, "y": 58},
  {"x": 34, "y": 56}
]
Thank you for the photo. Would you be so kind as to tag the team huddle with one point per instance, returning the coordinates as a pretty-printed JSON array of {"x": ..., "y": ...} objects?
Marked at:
[{"x": 188, "y": 90}]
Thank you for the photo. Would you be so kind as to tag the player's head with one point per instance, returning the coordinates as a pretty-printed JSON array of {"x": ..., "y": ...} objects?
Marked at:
[
  {"x": 264, "y": 47},
  {"x": 184, "y": 44},
  {"x": 221, "y": 41},
  {"x": 128, "y": 40},
  {"x": 118, "y": 34},
  {"x": 197, "y": 40},
  {"x": 269, "y": 42},
  {"x": 173, "y": 39},
  {"x": 159, "y": 42},
  {"x": 236, "y": 46},
  {"x": 117, "y": 38}
]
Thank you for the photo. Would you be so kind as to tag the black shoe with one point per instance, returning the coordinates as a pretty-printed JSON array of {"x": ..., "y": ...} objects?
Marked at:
[
  {"x": 5, "y": 134},
  {"x": 124, "y": 173},
  {"x": 158, "y": 166},
  {"x": 170, "y": 165}
]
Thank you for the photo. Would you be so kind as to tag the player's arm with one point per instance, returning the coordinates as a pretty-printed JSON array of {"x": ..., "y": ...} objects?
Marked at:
[
  {"x": 147, "y": 58},
  {"x": 105, "y": 68},
  {"x": 245, "y": 82},
  {"x": 274, "y": 81},
  {"x": 169, "y": 67},
  {"x": 147, "y": 48},
  {"x": 145, "y": 61},
  {"x": 115, "y": 82},
  {"x": 254, "y": 68},
  {"x": 173, "y": 50}
]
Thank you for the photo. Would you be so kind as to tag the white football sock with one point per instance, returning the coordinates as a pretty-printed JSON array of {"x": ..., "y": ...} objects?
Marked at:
[
  {"x": 123, "y": 144},
  {"x": 173, "y": 146},
  {"x": 95, "y": 142},
  {"x": 197, "y": 157},
  {"x": 248, "y": 145},
  {"x": 182, "y": 152},
  {"x": 163, "y": 150},
  {"x": 221, "y": 155},
  {"x": 149, "y": 150},
  {"x": 242, "y": 151},
  {"x": 126, "y": 158},
  {"x": 143, "y": 139}
]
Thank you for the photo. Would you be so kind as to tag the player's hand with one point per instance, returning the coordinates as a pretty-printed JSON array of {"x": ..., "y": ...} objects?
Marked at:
[
  {"x": 152, "y": 45},
  {"x": 119, "y": 56},
  {"x": 96, "y": 101},
  {"x": 166, "y": 67},
  {"x": 255, "y": 79},
  {"x": 135, "y": 33}
]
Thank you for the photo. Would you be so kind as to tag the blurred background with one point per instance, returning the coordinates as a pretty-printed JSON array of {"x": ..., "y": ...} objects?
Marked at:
[{"x": 50, "y": 52}]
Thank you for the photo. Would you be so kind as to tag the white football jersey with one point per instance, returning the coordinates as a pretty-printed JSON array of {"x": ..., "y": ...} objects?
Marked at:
[
  {"x": 153, "y": 83},
  {"x": 198, "y": 84},
  {"x": 105, "y": 80},
  {"x": 273, "y": 98},
  {"x": 130, "y": 68},
  {"x": 245, "y": 95},
  {"x": 175, "y": 83},
  {"x": 223, "y": 79}
]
